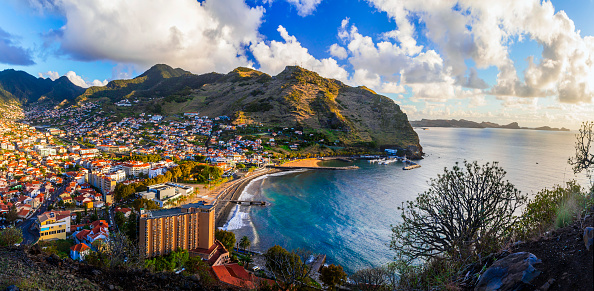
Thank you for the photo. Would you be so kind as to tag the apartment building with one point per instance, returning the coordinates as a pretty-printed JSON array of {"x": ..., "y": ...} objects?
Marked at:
[
  {"x": 53, "y": 225},
  {"x": 190, "y": 227},
  {"x": 107, "y": 181},
  {"x": 135, "y": 168}
]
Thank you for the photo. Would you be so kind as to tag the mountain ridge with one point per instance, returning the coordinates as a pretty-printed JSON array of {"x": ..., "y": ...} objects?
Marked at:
[
  {"x": 24, "y": 88},
  {"x": 462, "y": 123},
  {"x": 296, "y": 97}
]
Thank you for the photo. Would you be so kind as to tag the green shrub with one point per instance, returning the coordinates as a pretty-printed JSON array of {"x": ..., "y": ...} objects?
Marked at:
[
  {"x": 10, "y": 236},
  {"x": 552, "y": 207}
]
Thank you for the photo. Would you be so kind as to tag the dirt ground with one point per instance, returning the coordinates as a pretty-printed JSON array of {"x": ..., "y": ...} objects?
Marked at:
[{"x": 564, "y": 258}]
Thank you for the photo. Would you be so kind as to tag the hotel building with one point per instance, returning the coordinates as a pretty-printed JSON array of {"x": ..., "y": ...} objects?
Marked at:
[{"x": 190, "y": 227}]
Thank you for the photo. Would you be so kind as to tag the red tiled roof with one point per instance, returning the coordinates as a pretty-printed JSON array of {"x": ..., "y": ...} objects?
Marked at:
[
  {"x": 82, "y": 235},
  {"x": 81, "y": 247}
]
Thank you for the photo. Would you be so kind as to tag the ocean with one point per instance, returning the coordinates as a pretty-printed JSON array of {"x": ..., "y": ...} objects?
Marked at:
[{"x": 347, "y": 214}]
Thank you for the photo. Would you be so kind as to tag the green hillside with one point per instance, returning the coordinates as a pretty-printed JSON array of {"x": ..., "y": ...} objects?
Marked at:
[
  {"x": 349, "y": 116},
  {"x": 294, "y": 98},
  {"x": 24, "y": 88}
]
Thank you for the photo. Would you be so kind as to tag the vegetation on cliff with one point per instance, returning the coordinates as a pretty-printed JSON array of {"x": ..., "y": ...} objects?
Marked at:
[{"x": 296, "y": 98}]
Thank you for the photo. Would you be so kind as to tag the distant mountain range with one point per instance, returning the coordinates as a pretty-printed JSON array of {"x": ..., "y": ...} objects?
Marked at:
[
  {"x": 462, "y": 123},
  {"x": 25, "y": 89},
  {"x": 355, "y": 116}
]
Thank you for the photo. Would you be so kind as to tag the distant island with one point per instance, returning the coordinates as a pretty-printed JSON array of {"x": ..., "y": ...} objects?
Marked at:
[{"x": 462, "y": 123}]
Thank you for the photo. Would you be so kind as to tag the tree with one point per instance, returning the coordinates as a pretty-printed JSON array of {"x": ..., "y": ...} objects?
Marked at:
[
  {"x": 10, "y": 236},
  {"x": 584, "y": 155},
  {"x": 196, "y": 265},
  {"x": 246, "y": 259},
  {"x": 370, "y": 279},
  {"x": 227, "y": 238},
  {"x": 117, "y": 252},
  {"x": 146, "y": 204},
  {"x": 120, "y": 219},
  {"x": 463, "y": 208},
  {"x": 288, "y": 267},
  {"x": 94, "y": 216},
  {"x": 244, "y": 242},
  {"x": 12, "y": 214},
  {"x": 131, "y": 227},
  {"x": 332, "y": 275}
]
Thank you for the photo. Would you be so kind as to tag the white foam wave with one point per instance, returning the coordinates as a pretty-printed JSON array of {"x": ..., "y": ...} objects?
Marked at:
[
  {"x": 237, "y": 220},
  {"x": 239, "y": 217},
  {"x": 246, "y": 195}
]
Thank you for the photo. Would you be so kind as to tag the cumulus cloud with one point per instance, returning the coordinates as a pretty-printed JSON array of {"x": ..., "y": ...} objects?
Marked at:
[
  {"x": 305, "y": 7},
  {"x": 11, "y": 53},
  {"x": 199, "y": 36},
  {"x": 483, "y": 31},
  {"x": 390, "y": 67},
  {"x": 338, "y": 52},
  {"x": 74, "y": 78},
  {"x": 49, "y": 74},
  {"x": 273, "y": 56}
]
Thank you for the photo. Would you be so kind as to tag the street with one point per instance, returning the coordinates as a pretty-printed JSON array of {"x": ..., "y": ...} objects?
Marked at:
[{"x": 32, "y": 235}]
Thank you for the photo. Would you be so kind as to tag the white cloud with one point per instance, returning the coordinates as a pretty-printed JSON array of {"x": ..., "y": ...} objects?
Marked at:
[
  {"x": 49, "y": 74},
  {"x": 199, "y": 36},
  {"x": 79, "y": 81},
  {"x": 338, "y": 52},
  {"x": 74, "y": 78},
  {"x": 305, "y": 7},
  {"x": 483, "y": 31},
  {"x": 273, "y": 56}
]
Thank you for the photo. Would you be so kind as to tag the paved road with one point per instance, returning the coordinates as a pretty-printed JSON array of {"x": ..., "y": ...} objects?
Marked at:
[{"x": 30, "y": 234}]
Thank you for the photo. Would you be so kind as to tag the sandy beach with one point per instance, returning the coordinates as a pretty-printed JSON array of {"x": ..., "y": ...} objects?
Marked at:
[{"x": 312, "y": 163}]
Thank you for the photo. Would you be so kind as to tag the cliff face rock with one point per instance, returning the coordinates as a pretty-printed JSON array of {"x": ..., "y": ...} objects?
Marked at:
[
  {"x": 301, "y": 98},
  {"x": 30, "y": 269}
]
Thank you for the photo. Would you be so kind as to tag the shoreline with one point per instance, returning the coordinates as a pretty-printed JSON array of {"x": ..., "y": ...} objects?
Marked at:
[
  {"x": 232, "y": 192},
  {"x": 313, "y": 162}
]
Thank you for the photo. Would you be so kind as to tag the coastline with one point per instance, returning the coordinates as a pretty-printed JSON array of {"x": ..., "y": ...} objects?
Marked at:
[{"x": 232, "y": 192}]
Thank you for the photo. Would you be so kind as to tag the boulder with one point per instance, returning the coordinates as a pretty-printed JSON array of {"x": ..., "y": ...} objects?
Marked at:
[
  {"x": 589, "y": 237},
  {"x": 510, "y": 273}
]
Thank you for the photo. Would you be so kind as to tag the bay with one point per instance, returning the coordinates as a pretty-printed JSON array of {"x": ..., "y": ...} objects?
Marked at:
[{"x": 347, "y": 214}]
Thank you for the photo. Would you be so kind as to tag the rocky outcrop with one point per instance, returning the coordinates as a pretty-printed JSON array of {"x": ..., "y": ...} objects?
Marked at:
[
  {"x": 589, "y": 237},
  {"x": 510, "y": 273},
  {"x": 30, "y": 269}
]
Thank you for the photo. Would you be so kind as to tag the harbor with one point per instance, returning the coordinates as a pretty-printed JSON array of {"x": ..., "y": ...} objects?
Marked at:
[{"x": 408, "y": 164}]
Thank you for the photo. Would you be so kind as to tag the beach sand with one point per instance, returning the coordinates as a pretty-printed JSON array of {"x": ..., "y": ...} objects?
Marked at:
[{"x": 312, "y": 163}]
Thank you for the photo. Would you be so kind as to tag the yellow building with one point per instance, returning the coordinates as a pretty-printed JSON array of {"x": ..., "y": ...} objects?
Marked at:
[
  {"x": 53, "y": 225},
  {"x": 190, "y": 227}
]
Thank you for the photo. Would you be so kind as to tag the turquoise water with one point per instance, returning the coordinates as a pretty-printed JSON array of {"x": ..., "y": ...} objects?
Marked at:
[{"x": 347, "y": 214}]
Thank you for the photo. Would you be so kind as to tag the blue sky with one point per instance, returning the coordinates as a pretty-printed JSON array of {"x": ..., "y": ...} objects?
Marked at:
[{"x": 511, "y": 60}]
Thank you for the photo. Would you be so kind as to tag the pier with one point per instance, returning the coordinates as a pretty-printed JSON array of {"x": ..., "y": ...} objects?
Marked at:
[
  {"x": 316, "y": 264},
  {"x": 412, "y": 166},
  {"x": 313, "y": 168}
]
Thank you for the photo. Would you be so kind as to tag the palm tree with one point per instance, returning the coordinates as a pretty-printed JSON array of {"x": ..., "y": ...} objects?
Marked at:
[
  {"x": 244, "y": 242},
  {"x": 247, "y": 259}
]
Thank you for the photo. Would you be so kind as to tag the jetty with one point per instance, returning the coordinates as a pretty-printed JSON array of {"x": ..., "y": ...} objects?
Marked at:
[
  {"x": 410, "y": 167},
  {"x": 316, "y": 264},
  {"x": 246, "y": 202},
  {"x": 287, "y": 168}
]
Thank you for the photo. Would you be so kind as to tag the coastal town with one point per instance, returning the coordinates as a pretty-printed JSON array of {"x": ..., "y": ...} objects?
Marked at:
[{"x": 71, "y": 178}]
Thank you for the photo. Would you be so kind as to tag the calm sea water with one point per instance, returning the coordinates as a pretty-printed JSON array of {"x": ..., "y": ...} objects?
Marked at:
[{"x": 347, "y": 214}]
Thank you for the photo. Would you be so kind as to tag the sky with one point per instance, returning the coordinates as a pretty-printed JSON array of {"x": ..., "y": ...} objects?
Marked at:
[{"x": 525, "y": 61}]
